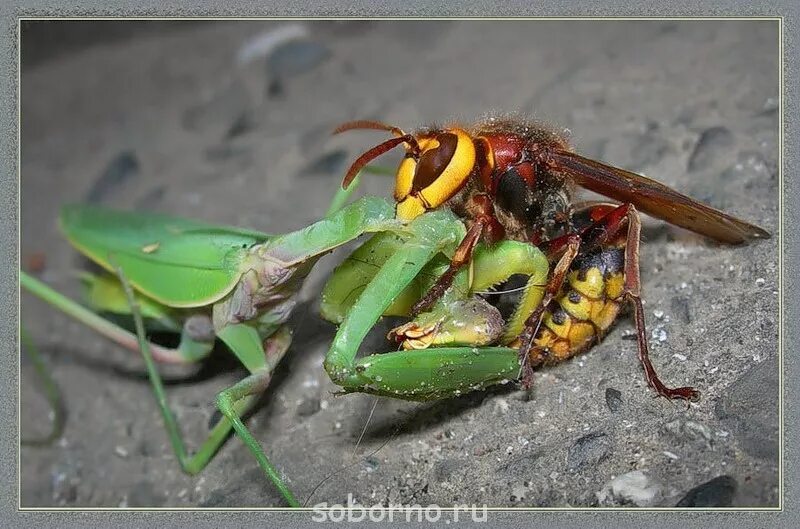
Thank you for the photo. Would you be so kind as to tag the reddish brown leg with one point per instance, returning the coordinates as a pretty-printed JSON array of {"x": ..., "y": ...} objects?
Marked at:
[
  {"x": 532, "y": 323},
  {"x": 566, "y": 248},
  {"x": 605, "y": 230},
  {"x": 481, "y": 209},
  {"x": 632, "y": 293},
  {"x": 462, "y": 256},
  {"x": 535, "y": 357}
]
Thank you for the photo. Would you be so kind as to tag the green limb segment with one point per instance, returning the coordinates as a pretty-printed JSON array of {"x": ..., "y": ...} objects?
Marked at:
[
  {"x": 361, "y": 290},
  {"x": 274, "y": 349},
  {"x": 434, "y": 373},
  {"x": 341, "y": 196},
  {"x": 226, "y": 401},
  {"x": 350, "y": 278},
  {"x": 493, "y": 265},
  {"x": 189, "y": 351},
  {"x": 52, "y": 393},
  {"x": 232, "y": 402},
  {"x": 463, "y": 318},
  {"x": 366, "y": 215},
  {"x": 431, "y": 234}
]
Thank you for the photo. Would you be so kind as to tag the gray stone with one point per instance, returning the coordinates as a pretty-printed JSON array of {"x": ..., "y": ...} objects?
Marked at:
[
  {"x": 588, "y": 451},
  {"x": 636, "y": 488},
  {"x": 749, "y": 410},
  {"x": 710, "y": 144},
  {"x": 715, "y": 493},
  {"x": 613, "y": 399}
]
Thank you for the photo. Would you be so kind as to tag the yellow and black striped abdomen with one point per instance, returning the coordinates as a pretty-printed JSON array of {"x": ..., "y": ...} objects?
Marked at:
[{"x": 584, "y": 309}]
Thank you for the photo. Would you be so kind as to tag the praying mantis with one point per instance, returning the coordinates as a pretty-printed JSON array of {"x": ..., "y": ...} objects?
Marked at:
[{"x": 208, "y": 282}]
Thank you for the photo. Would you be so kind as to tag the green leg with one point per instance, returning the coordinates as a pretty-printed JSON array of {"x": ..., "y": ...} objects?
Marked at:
[
  {"x": 342, "y": 196},
  {"x": 188, "y": 352},
  {"x": 437, "y": 372},
  {"x": 230, "y": 402},
  {"x": 435, "y": 232},
  {"x": 274, "y": 349},
  {"x": 52, "y": 393},
  {"x": 226, "y": 402},
  {"x": 495, "y": 264},
  {"x": 366, "y": 215}
]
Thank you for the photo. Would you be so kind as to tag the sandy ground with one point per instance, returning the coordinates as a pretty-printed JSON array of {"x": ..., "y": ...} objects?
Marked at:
[{"x": 167, "y": 121}]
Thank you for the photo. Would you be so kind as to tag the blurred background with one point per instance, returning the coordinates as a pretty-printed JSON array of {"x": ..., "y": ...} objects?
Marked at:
[{"x": 230, "y": 121}]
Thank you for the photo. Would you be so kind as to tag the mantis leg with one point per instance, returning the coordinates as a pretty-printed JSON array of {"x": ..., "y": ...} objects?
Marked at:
[
  {"x": 232, "y": 402},
  {"x": 480, "y": 208},
  {"x": 366, "y": 215},
  {"x": 226, "y": 402},
  {"x": 463, "y": 318},
  {"x": 412, "y": 375},
  {"x": 52, "y": 393},
  {"x": 461, "y": 257},
  {"x": 188, "y": 351},
  {"x": 437, "y": 372}
]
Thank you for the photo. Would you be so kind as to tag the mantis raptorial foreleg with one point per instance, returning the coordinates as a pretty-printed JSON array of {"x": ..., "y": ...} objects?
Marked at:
[{"x": 436, "y": 372}]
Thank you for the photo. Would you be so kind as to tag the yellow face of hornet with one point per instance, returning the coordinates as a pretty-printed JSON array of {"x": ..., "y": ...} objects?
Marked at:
[{"x": 432, "y": 171}]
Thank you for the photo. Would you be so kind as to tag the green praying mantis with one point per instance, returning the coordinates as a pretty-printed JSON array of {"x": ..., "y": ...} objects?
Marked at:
[{"x": 239, "y": 286}]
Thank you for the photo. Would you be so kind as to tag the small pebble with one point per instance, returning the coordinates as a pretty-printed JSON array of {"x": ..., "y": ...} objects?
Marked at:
[
  {"x": 263, "y": 44},
  {"x": 634, "y": 487},
  {"x": 659, "y": 334},
  {"x": 501, "y": 405},
  {"x": 371, "y": 464},
  {"x": 613, "y": 399},
  {"x": 518, "y": 492},
  {"x": 588, "y": 451}
]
